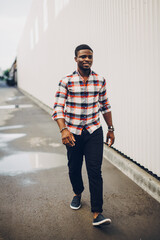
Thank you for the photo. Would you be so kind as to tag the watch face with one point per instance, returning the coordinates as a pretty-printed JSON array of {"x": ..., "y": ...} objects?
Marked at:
[{"x": 111, "y": 128}]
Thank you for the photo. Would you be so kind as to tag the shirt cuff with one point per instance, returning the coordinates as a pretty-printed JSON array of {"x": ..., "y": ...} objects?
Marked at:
[
  {"x": 56, "y": 116},
  {"x": 106, "y": 110}
]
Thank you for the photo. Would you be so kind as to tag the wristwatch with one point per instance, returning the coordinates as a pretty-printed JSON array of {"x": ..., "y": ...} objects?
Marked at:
[{"x": 111, "y": 128}]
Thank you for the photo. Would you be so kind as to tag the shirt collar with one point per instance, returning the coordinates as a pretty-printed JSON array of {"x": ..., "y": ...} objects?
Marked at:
[{"x": 77, "y": 72}]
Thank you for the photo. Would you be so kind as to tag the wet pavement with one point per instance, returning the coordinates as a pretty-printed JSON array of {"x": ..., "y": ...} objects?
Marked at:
[
  {"x": 24, "y": 162},
  {"x": 35, "y": 192}
]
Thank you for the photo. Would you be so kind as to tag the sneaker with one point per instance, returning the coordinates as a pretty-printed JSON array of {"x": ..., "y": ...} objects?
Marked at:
[
  {"x": 100, "y": 219},
  {"x": 76, "y": 202}
]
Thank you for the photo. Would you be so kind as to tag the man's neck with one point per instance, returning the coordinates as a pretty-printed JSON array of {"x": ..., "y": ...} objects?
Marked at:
[{"x": 84, "y": 73}]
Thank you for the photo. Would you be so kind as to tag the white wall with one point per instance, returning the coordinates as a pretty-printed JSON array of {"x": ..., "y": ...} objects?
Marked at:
[{"x": 125, "y": 37}]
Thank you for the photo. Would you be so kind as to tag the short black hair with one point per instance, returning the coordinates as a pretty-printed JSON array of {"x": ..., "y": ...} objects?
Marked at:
[{"x": 80, "y": 47}]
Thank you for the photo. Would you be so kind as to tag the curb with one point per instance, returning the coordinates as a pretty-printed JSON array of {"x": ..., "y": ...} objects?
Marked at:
[
  {"x": 148, "y": 183},
  {"x": 38, "y": 102}
]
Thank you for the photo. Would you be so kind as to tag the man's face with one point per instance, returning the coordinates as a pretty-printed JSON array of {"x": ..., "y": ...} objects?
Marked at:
[{"x": 84, "y": 59}]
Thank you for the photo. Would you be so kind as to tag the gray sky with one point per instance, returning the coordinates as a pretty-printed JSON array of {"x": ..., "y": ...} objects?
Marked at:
[{"x": 13, "y": 14}]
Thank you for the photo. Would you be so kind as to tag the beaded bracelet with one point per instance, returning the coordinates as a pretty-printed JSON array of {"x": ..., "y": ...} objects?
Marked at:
[{"x": 63, "y": 129}]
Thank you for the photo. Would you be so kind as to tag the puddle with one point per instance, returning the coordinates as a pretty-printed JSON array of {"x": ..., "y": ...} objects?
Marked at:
[
  {"x": 16, "y": 106},
  {"x": 24, "y": 162},
  {"x": 27, "y": 182},
  {"x": 55, "y": 145},
  {"x": 11, "y": 127},
  {"x": 40, "y": 141},
  {"x": 8, "y": 137},
  {"x": 15, "y": 98}
]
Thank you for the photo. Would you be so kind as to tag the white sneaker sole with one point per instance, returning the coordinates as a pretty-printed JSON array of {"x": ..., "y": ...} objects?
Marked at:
[
  {"x": 75, "y": 208},
  {"x": 107, "y": 221}
]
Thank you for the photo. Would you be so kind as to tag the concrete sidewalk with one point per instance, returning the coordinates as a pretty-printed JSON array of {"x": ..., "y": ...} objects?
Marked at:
[{"x": 36, "y": 193}]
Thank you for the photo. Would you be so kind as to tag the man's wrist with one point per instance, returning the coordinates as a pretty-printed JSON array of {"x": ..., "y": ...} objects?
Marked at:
[
  {"x": 63, "y": 129},
  {"x": 111, "y": 128}
]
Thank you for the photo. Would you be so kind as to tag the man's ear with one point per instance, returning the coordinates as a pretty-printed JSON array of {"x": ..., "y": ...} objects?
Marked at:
[{"x": 75, "y": 58}]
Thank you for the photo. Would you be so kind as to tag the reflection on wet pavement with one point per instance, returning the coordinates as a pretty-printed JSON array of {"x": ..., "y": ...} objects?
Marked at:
[
  {"x": 15, "y": 98},
  {"x": 8, "y": 137},
  {"x": 23, "y": 162},
  {"x": 26, "y": 182},
  {"x": 55, "y": 145},
  {"x": 16, "y": 106},
  {"x": 41, "y": 141},
  {"x": 11, "y": 127}
]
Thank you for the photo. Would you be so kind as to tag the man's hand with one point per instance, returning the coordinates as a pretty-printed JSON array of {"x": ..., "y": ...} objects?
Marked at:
[
  {"x": 68, "y": 138},
  {"x": 110, "y": 138}
]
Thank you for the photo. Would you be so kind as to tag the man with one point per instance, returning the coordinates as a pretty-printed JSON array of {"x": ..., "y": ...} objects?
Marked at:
[{"x": 79, "y": 99}]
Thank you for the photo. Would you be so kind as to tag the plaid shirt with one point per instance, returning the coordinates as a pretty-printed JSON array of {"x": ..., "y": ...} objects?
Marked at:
[{"x": 79, "y": 102}]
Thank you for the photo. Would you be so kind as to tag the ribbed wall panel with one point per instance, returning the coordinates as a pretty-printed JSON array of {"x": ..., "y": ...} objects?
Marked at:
[{"x": 125, "y": 36}]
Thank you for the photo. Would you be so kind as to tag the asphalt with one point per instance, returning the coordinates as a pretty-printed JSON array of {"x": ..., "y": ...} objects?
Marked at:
[{"x": 35, "y": 191}]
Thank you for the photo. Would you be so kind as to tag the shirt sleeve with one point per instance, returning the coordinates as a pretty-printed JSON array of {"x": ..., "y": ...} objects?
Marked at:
[
  {"x": 103, "y": 99},
  {"x": 60, "y": 99}
]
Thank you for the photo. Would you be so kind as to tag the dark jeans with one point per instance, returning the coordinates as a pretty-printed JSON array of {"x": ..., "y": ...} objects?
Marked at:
[{"x": 90, "y": 146}]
